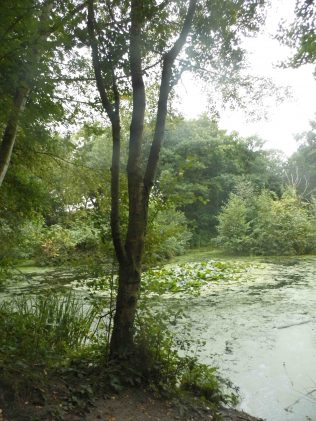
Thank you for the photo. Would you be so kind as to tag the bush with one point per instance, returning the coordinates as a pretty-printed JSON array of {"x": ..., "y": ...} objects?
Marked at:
[
  {"x": 52, "y": 334},
  {"x": 264, "y": 224},
  {"x": 234, "y": 226},
  {"x": 282, "y": 226},
  {"x": 60, "y": 244},
  {"x": 19, "y": 239},
  {"x": 41, "y": 340},
  {"x": 167, "y": 235},
  {"x": 313, "y": 223},
  {"x": 57, "y": 244},
  {"x": 156, "y": 363}
]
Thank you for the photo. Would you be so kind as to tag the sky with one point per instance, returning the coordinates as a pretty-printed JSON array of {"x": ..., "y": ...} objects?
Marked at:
[{"x": 285, "y": 119}]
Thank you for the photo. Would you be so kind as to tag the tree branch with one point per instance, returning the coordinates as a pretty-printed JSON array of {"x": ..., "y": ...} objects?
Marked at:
[
  {"x": 96, "y": 63},
  {"x": 114, "y": 116},
  {"x": 59, "y": 159},
  {"x": 165, "y": 88},
  {"x": 139, "y": 100}
]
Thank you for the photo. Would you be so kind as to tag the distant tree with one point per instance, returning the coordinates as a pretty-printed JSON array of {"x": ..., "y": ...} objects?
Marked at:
[
  {"x": 201, "y": 165},
  {"x": 234, "y": 226},
  {"x": 300, "y": 172}
]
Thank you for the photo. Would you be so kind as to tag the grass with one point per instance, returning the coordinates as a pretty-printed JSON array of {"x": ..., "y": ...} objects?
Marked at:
[
  {"x": 43, "y": 328},
  {"x": 215, "y": 253}
]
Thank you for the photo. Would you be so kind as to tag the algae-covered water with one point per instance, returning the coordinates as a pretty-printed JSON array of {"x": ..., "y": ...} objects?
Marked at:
[
  {"x": 259, "y": 329},
  {"x": 261, "y": 332}
]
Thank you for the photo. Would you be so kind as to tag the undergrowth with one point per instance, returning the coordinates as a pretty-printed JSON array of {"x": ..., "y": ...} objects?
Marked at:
[{"x": 54, "y": 356}]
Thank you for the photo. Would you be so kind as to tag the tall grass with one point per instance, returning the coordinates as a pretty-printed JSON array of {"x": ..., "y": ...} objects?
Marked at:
[{"x": 43, "y": 328}]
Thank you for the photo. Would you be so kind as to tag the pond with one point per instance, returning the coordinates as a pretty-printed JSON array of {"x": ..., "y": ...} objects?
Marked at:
[
  {"x": 259, "y": 328},
  {"x": 261, "y": 333}
]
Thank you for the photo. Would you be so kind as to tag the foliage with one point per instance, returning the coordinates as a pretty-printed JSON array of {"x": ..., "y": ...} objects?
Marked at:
[
  {"x": 233, "y": 227},
  {"x": 57, "y": 244},
  {"x": 313, "y": 223},
  {"x": 185, "y": 278},
  {"x": 41, "y": 336},
  {"x": 43, "y": 329},
  {"x": 283, "y": 226},
  {"x": 19, "y": 240},
  {"x": 201, "y": 165},
  {"x": 300, "y": 35},
  {"x": 188, "y": 278},
  {"x": 264, "y": 224},
  {"x": 156, "y": 363},
  {"x": 203, "y": 382},
  {"x": 167, "y": 234},
  {"x": 61, "y": 333},
  {"x": 60, "y": 244}
]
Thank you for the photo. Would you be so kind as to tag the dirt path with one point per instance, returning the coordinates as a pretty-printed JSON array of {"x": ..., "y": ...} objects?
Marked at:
[{"x": 137, "y": 405}]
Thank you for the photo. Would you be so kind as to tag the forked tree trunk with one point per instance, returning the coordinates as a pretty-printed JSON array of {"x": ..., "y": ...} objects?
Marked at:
[{"x": 130, "y": 254}]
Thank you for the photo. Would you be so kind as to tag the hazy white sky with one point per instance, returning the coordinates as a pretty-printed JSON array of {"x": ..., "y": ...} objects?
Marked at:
[{"x": 285, "y": 119}]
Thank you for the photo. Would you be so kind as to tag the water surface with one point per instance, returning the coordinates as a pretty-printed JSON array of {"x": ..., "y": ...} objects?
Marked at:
[{"x": 261, "y": 332}]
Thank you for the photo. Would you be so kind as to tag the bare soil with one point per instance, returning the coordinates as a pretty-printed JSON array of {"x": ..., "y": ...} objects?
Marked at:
[
  {"x": 139, "y": 405},
  {"x": 130, "y": 405}
]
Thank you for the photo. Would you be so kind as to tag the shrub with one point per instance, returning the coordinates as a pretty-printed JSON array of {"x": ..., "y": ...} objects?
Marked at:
[
  {"x": 265, "y": 224},
  {"x": 157, "y": 350},
  {"x": 167, "y": 235},
  {"x": 281, "y": 226},
  {"x": 234, "y": 226},
  {"x": 60, "y": 244}
]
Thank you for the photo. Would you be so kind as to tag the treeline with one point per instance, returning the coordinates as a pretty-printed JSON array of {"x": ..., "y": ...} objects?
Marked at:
[{"x": 55, "y": 201}]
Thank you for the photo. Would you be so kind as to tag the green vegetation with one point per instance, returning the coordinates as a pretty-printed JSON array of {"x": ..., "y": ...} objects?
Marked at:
[
  {"x": 43, "y": 329},
  {"x": 189, "y": 278},
  {"x": 265, "y": 224},
  {"x": 202, "y": 170},
  {"x": 201, "y": 165},
  {"x": 86, "y": 115},
  {"x": 53, "y": 341}
]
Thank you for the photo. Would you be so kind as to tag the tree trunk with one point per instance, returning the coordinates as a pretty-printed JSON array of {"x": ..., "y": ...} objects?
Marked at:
[
  {"x": 129, "y": 278},
  {"x": 122, "y": 339},
  {"x": 23, "y": 89},
  {"x": 130, "y": 265},
  {"x": 10, "y": 132}
]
